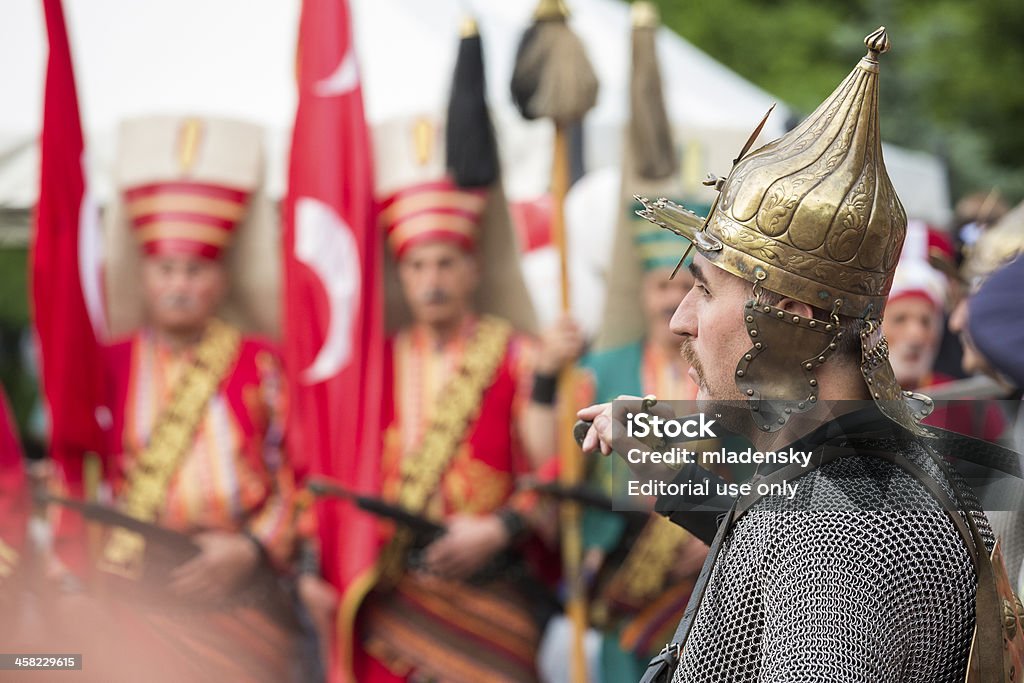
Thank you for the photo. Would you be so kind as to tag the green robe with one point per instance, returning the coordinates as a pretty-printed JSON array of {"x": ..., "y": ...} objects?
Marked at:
[{"x": 615, "y": 371}]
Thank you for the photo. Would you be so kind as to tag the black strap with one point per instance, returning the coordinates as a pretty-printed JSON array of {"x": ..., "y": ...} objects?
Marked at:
[
  {"x": 975, "y": 451},
  {"x": 661, "y": 668},
  {"x": 699, "y": 515}
]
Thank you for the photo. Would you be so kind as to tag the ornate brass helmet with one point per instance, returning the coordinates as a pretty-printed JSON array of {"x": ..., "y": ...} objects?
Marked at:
[{"x": 811, "y": 216}]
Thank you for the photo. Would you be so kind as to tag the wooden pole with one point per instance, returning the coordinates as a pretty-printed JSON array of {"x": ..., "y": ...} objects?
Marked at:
[{"x": 570, "y": 458}]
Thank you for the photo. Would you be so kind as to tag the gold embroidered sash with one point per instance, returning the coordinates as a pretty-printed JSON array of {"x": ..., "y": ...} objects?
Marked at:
[
  {"x": 421, "y": 471},
  {"x": 172, "y": 435},
  {"x": 8, "y": 560},
  {"x": 643, "y": 575}
]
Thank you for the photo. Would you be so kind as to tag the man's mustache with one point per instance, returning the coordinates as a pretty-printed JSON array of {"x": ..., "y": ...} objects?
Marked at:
[
  {"x": 176, "y": 301},
  {"x": 909, "y": 351},
  {"x": 436, "y": 296},
  {"x": 690, "y": 356}
]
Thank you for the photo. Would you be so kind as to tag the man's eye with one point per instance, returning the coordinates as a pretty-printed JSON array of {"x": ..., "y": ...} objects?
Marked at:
[{"x": 704, "y": 290}]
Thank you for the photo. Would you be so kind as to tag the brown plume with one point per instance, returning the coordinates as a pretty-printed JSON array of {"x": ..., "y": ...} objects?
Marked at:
[
  {"x": 650, "y": 132},
  {"x": 553, "y": 77}
]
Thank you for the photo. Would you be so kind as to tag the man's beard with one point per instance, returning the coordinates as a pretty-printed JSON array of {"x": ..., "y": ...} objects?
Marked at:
[
  {"x": 911, "y": 371},
  {"x": 690, "y": 356},
  {"x": 733, "y": 414}
]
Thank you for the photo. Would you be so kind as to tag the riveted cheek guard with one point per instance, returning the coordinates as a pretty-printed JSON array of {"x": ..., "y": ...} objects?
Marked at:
[{"x": 777, "y": 372}]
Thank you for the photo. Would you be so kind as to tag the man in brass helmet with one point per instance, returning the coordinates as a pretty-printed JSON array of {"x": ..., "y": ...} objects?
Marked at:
[{"x": 877, "y": 567}]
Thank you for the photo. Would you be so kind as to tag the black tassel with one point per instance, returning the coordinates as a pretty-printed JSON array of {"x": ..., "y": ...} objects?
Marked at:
[{"x": 471, "y": 149}]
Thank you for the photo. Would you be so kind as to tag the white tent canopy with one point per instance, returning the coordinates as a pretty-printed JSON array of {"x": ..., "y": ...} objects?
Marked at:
[{"x": 235, "y": 58}]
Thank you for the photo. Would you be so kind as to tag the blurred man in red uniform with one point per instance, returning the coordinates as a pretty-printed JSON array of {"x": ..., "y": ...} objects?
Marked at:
[
  {"x": 196, "y": 408},
  {"x": 469, "y": 410}
]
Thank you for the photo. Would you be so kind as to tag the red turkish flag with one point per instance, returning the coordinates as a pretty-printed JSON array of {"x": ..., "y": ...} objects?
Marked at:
[
  {"x": 66, "y": 301},
  {"x": 333, "y": 307}
]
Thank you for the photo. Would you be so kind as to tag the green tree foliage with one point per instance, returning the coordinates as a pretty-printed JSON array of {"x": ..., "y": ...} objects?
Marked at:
[
  {"x": 952, "y": 85},
  {"x": 14, "y": 288},
  {"x": 15, "y": 379}
]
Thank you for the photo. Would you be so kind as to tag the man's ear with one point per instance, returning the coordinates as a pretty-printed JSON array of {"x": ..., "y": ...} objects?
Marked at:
[{"x": 796, "y": 308}]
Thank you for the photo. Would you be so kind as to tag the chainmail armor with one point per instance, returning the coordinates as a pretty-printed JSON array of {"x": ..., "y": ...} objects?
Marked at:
[{"x": 861, "y": 578}]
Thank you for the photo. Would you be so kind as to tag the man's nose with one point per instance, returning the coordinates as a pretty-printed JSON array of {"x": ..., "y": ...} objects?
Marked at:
[
  {"x": 179, "y": 280},
  {"x": 431, "y": 277},
  {"x": 684, "y": 320},
  {"x": 921, "y": 333}
]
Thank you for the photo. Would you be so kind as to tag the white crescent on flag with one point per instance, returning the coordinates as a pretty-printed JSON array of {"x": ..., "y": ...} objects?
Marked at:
[
  {"x": 324, "y": 242},
  {"x": 90, "y": 258},
  {"x": 343, "y": 79}
]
